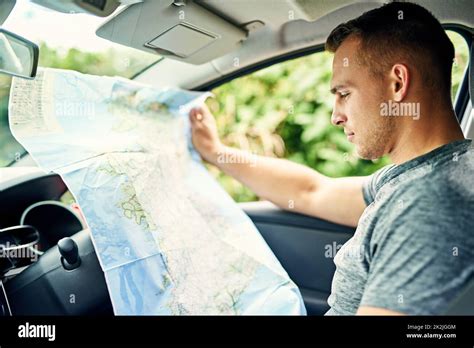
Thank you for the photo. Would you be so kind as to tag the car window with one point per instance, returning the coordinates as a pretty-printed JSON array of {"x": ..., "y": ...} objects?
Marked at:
[
  {"x": 461, "y": 61},
  {"x": 284, "y": 111},
  {"x": 66, "y": 41}
]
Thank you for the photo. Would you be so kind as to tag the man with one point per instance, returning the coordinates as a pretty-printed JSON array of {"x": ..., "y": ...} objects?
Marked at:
[{"x": 413, "y": 250}]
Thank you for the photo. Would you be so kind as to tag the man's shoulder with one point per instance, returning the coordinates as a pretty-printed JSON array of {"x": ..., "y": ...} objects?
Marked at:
[
  {"x": 437, "y": 198},
  {"x": 430, "y": 217},
  {"x": 439, "y": 182}
]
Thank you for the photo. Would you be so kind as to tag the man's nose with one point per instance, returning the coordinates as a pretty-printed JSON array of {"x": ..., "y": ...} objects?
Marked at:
[{"x": 338, "y": 119}]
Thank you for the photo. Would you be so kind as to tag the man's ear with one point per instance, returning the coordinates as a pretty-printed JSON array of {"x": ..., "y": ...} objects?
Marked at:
[{"x": 400, "y": 81}]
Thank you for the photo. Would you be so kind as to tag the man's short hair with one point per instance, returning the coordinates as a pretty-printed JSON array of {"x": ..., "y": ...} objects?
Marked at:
[{"x": 400, "y": 32}]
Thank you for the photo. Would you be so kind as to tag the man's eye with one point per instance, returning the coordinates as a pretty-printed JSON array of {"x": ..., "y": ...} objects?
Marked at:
[{"x": 344, "y": 94}]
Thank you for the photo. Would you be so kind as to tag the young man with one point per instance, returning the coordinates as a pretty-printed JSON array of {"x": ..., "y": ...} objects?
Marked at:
[{"x": 413, "y": 250}]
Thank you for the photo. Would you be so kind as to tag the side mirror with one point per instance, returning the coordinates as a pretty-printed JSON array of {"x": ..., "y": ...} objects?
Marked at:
[{"x": 18, "y": 56}]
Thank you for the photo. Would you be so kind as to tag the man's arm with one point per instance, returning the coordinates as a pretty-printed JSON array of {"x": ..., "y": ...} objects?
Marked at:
[{"x": 289, "y": 185}]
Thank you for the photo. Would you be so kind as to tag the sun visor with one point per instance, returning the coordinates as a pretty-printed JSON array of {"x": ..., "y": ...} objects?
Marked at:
[{"x": 182, "y": 30}]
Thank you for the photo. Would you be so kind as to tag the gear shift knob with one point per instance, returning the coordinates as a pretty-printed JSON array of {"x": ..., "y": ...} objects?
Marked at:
[{"x": 69, "y": 251}]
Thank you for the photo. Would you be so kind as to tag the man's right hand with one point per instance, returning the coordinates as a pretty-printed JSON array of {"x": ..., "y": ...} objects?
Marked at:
[
  {"x": 289, "y": 185},
  {"x": 204, "y": 133}
]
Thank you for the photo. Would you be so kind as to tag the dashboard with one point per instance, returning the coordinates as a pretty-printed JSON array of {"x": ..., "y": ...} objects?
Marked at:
[{"x": 48, "y": 264}]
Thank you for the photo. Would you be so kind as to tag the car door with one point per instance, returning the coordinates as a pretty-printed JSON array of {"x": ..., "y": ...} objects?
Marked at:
[{"x": 305, "y": 246}]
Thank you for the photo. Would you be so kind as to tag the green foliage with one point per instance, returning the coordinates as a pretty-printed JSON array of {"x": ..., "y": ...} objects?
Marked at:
[
  {"x": 113, "y": 62},
  {"x": 461, "y": 60},
  {"x": 10, "y": 150}
]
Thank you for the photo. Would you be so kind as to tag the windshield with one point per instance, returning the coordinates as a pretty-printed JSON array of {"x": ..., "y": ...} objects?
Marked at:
[{"x": 66, "y": 41}]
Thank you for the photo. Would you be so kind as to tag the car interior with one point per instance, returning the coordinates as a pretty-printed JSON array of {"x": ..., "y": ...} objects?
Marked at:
[{"x": 202, "y": 44}]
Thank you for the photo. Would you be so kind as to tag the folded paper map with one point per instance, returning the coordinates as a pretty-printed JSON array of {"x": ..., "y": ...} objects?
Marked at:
[{"x": 169, "y": 239}]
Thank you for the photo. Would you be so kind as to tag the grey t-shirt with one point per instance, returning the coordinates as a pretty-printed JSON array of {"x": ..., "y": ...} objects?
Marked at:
[{"x": 413, "y": 250}]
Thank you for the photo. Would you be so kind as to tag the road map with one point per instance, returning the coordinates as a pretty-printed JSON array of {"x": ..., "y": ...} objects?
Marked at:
[{"x": 169, "y": 239}]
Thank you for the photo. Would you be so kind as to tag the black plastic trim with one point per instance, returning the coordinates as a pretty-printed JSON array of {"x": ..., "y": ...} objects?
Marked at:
[{"x": 264, "y": 212}]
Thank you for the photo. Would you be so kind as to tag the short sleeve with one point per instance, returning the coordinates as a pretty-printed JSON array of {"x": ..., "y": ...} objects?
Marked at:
[
  {"x": 369, "y": 186},
  {"x": 420, "y": 261}
]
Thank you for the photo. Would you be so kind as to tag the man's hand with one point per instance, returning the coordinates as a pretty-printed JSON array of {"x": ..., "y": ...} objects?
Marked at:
[
  {"x": 289, "y": 185},
  {"x": 204, "y": 133}
]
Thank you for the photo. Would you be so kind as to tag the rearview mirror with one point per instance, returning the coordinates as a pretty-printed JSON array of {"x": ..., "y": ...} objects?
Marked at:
[{"x": 18, "y": 56}]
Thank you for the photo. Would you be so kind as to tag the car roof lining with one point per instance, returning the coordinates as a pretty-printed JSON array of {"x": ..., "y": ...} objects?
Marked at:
[{"x": 281, "y": 37}]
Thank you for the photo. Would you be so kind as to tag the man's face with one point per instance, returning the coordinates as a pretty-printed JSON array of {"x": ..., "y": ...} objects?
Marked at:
[{"x": 357, "y": 104}]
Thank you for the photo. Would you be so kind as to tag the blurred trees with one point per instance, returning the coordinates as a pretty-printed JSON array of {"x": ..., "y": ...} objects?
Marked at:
[{"x": 125, "y": 62}]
